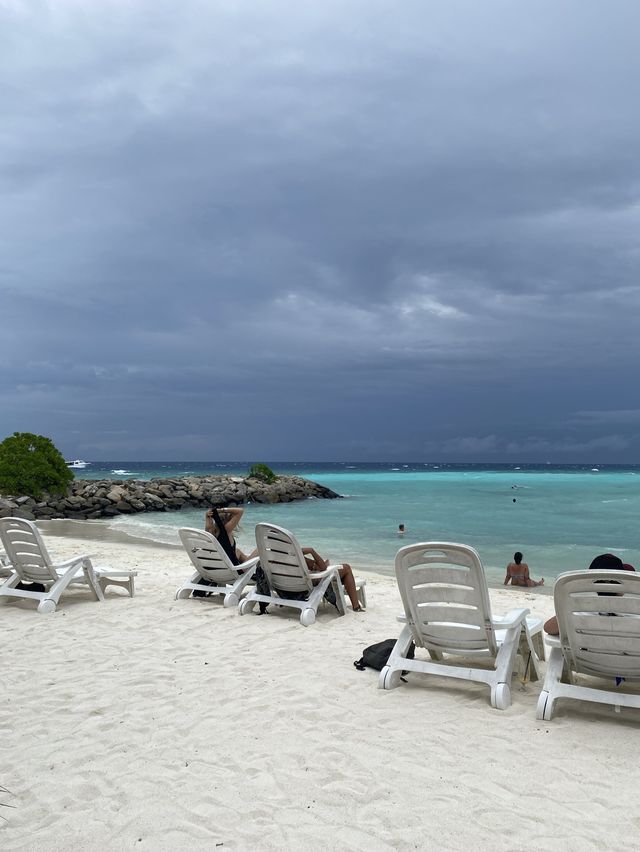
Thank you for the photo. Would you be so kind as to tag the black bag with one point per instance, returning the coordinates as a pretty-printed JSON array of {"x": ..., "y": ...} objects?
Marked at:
[
  {"x": 377, "y": 656},
  {"x": 262, "y": 587}
]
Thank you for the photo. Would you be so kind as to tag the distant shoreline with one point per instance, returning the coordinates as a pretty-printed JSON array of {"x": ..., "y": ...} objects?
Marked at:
[{"x": 100, "y": 531}]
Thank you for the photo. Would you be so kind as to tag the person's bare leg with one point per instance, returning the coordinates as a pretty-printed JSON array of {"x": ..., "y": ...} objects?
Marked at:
[
  {"x": 551, "y": 626},
  {"x": 349, "y": 583}
]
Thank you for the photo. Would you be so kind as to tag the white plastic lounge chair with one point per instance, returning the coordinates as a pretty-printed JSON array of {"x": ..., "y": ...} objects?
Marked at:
[
  {"x": 31, "y": 563},
  {"x": 599, "y": 636},
  {"x": 212, "y": 564},
  {"x": 447, "y": 611},
  {"x": 5, "y": 566},
  {"x": 282, "y": 561}
]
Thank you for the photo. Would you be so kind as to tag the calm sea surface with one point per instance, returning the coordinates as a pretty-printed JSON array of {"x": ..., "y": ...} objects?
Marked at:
[{"x": 560, "y": 517}]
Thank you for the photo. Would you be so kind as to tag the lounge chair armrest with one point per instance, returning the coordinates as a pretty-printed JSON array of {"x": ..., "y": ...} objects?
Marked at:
[
  {"x": 320, "y": 575},
  {"x": 402, "y": 618},
  {"x": 250, "y": 563},
  {"x": 511, "y": 619},
  {"x": 76, "y": 560}
]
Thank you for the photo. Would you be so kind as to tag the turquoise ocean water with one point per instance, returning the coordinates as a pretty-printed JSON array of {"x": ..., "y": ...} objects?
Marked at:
[{"x": 562, "y": 516}]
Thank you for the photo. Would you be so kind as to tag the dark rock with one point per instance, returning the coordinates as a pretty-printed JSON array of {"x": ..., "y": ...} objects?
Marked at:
[
  {"x": 25, "y": 513},
  {"x": 108, "y": 498}
]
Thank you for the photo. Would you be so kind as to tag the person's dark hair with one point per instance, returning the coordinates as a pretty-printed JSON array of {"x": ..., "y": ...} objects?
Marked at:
[
  {"x": 606, "y": 562},
  {"x": 609, "y": 562},
  {"x": 517, "y": 557},
  {"x": 223, "y": 538}
]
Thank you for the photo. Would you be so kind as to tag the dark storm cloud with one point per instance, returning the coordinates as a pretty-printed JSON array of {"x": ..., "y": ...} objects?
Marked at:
[{"x": 362, "y": 230}]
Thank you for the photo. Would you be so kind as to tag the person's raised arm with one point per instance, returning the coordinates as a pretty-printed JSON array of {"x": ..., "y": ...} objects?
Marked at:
[
  {"x": 231, "y": 517},
  {"x": 319, "y": 564}
]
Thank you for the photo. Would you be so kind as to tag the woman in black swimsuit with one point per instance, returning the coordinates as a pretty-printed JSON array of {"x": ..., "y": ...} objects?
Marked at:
[{"x": 230, "y": 519}]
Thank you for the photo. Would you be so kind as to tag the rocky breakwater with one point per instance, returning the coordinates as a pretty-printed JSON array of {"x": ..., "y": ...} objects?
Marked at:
[{"x": 106, "y": 498}]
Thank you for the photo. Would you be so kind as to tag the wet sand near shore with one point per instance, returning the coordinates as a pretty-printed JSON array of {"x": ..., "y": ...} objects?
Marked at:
[{"x": 97, "y": 531}]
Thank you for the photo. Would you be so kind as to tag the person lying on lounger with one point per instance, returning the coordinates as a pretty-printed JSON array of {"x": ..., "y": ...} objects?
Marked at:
[
  {"x": 604, "y": 562},
  {"x": 518, "y": 573},
  {"x": 315, "y": 562}
]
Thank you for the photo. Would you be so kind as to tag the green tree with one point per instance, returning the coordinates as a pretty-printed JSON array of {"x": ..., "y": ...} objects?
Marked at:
[
  {"x": 262, "y": 472},
  {"x": 31, "y": 464}
]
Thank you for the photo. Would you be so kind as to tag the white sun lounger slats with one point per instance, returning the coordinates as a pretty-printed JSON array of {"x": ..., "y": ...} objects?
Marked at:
[
  {"x": 429, "y": 576},
  {"x": 598, "y": 616},
  {"x": 286, "y": 570},
  {"x": 601, "y": 623},
  {"x": 441, "y": 593},
  {"x": 31, "y": 563},
  {"x": 213, "y": 566}
]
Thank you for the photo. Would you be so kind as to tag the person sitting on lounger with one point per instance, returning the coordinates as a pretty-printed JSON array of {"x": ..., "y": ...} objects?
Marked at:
[
  {"x": 316, "y": 563},
  {"x": 221, "y": 523},
  {"x": 518, "y": 573},
  {"x": 604, "y": 562}
]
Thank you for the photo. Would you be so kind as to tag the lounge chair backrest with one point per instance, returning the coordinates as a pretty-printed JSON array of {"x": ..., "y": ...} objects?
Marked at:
[
  {"x": 445, "y": 597},
  {"x": 600, "y": 633},
  {"x": 207, "y": 555},
  {"x": 282, "y": 560},
  {"x": 26, "y": 550}
]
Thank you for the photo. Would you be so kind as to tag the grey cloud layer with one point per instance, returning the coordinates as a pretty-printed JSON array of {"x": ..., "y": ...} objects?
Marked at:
[{"x": 416, "y": 222}]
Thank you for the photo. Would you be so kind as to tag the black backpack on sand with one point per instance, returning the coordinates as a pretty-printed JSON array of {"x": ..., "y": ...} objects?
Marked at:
[{"x": 377, "y": 656}]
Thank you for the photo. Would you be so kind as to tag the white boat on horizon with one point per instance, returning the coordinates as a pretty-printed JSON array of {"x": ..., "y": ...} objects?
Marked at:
[{"x": 78, "y": 463}]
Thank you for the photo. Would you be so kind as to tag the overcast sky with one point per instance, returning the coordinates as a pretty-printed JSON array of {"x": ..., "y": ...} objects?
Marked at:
[{"x": 353, "y": 230}]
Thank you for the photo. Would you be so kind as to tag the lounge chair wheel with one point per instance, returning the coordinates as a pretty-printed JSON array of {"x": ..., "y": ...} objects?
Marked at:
[
  {"x": 542, "y": 711},
  {"x": 231, "y": 600},
  {"x": 389, "y": 678},
  {"x": 182, "y": 594},
  {"x": 307, "y": 617},
  {"x": 501, "y": 696},
  {"x": 47, "y": 606},
  {"x": 245, "y": 607}
]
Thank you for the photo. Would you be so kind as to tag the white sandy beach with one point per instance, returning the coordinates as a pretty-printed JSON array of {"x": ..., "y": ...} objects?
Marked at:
[{"x": 177, "y": 725}]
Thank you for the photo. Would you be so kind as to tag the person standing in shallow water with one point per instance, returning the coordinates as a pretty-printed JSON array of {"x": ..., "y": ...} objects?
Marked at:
[{"x": 518, "y": 573}]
